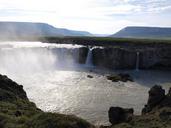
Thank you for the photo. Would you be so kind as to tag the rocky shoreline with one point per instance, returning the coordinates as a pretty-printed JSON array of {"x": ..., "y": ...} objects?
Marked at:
[
  {"x": 156, "y": 113},
  {"x": 16, "y": 111}
]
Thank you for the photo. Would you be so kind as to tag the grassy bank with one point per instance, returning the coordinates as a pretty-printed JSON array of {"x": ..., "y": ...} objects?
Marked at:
[{"x": 16, "y": 111}]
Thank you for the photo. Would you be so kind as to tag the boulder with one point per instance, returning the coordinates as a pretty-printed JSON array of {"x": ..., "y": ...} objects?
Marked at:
[
  {"x": 120, "y": 77},
  {"x": 169, "y": 93},
  {"x": 89, "y": 76},
  {"x": 119, "y": 115},
  {"x": 156, "y": 96}
]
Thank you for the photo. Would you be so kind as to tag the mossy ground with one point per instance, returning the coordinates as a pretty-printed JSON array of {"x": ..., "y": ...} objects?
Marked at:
[{"x": 16, "y": 111}]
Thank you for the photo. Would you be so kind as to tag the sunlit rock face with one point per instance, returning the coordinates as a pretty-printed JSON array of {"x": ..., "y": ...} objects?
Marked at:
[{"x": 114, "y": 58}]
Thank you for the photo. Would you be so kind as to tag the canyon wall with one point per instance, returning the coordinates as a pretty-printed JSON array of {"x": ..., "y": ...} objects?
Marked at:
[
  {"x": 126, "y": 58},
  {"x": 114, "y": 58},
  {"x": 155, "y": 58},
  {"x": 121, "y": 58}
]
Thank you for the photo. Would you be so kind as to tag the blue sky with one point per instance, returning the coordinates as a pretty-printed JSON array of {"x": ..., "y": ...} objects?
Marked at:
[{"x": 95, "y": 16}]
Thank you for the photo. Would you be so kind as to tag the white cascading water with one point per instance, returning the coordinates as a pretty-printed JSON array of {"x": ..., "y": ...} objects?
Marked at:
[
  {"x": 137, "y": 61},
  {"x": 89, "y": 59},
  {"x": 21, "y": 60},
  {"x": 29, "y": 57},
  {"x": 36, "y": 66}
]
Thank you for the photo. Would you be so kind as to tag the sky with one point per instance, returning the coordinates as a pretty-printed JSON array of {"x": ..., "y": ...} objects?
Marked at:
[{"x": 95, "y": 16}]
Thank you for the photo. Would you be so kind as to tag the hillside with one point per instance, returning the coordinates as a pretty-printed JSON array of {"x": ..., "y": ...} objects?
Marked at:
[
  {"x": 16, "y": 111},
  {"x": 28, "y": 29},
  {"x": 143, "y": 32}
]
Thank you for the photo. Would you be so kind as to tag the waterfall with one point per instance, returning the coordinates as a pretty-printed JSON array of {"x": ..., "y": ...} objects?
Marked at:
[
  {"x": 137, "y": 61},
  {"x": 30, "y": 60},
  {"x": 89, "y": 61}
]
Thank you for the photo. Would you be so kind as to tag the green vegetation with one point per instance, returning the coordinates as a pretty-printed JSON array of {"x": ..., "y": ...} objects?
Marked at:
[
  {"x": 147, "y": 121},
  {"x": 16, "y": 111},
  {"x": 99, "y": 41},
  {"x": 106, "y": 40}
]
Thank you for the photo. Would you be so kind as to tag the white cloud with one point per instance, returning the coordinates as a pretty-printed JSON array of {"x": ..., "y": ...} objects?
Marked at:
[{"x": 96, "y": 16}]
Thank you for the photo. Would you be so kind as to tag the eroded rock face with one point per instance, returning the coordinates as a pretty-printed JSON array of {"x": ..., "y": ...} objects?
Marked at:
[
  {"x": 83, "y": 51},
  {"x": 156, "y": 94},
  {"x": 156, "y": 97},
  {"x": 155, "y": 58},
  {"x": 124, "y": 58},
  {"x": 114, "y": 58},
  {"x": 119, "y": 115},
  {"x": 7, "y": 85},
  {"x": 169, "y": 93}
]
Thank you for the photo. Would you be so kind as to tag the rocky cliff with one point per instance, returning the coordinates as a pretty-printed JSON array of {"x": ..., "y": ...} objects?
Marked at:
[
  {"x": 117, "y": 53},
  {"x": 114, "y": 58},
  {"x": 155, "y": 58},
  {"x": 124, "y": 58}
]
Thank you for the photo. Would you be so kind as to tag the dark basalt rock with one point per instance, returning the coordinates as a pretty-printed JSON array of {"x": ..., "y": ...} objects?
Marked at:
[
  {"x": 155, "y": 58},
  {"x": 18, "y": 113},
  {"x": 114, "y": 58},
  {"x": 165, "y": 115},
  {"x": 157, "y": 112},
  {"x": 156, "y": 96},
  {"x": 166, "y": 102},
  {"x": 82, "y": 55},
  {"x": 89, "y": 76},
  {"x": 11, "y": 89},
  {"x": 125, "y": 58},
  {"x": 169, "y": 93},
  {"x": 119, "y": 115},
  {"x": 120, "y": 77}
]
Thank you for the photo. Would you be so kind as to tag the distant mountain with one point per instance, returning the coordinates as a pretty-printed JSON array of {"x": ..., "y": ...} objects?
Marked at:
[
  {"x": 28, "y": 29},
  {"x": 143, "y": 32}
]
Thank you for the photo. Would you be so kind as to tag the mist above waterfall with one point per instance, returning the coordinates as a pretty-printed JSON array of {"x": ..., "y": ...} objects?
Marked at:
[{"x": 30, "y": 57}]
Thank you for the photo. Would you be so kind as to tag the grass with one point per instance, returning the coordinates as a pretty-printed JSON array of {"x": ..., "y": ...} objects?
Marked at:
[
  {"x": 110, "y": 39},
  {"x": 96, "y": 40},
  {"x": 16, "y": 111}
]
